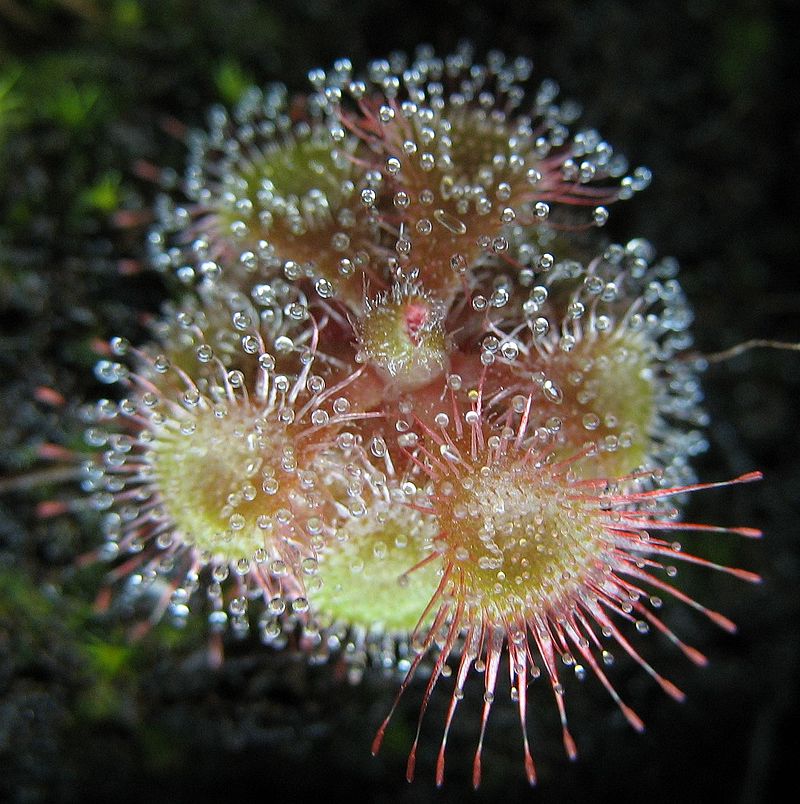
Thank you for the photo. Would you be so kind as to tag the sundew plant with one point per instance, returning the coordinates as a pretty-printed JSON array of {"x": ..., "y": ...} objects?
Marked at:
[{"x": 410, "y": 410}]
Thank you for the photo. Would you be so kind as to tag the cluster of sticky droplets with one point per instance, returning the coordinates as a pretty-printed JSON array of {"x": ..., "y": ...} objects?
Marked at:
[{"x": 412, "y": 402}]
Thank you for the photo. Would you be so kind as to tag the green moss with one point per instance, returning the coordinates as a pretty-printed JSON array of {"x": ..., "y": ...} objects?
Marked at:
[
  {"x": 744, "y": 47},
  {"x": 104, "y": 194},
  {"x": 11, "y": 102},
  {"x": 128, "y": 14},
  {"x": 71, "y": 105},
  {"x": 231, "y": 81}
]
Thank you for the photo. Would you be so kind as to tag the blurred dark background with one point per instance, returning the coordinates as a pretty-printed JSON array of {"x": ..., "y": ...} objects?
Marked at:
[{"x": 702, "y": 92}]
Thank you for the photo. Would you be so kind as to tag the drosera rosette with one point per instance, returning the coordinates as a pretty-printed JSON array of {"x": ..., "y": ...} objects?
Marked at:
[
  {"x": 544, "y": 563},
  {"x": 410, "y": 407},
  {"x": 209, "y": 474},
  {"x": 465, "y": 151}
]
